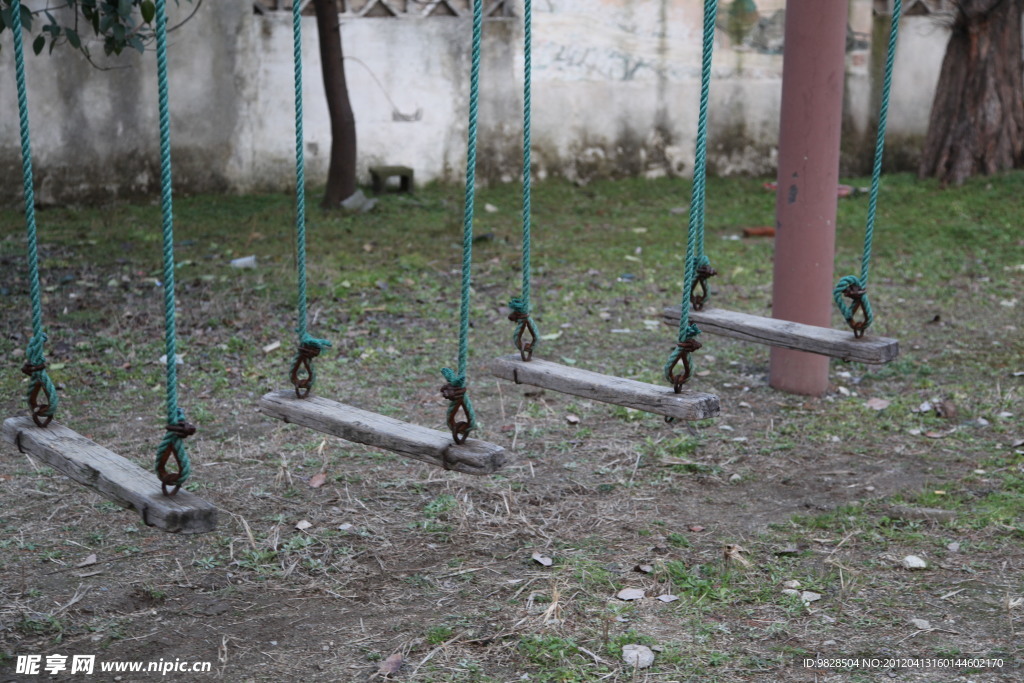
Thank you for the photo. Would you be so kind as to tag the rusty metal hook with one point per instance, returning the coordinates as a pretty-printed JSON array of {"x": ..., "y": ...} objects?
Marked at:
[
  {"x": 458, "y": 428},
  {"x": 302, "y": 369},
  {"x": 183, "y": 430},
  {"x": 522, "y": 326},
  {"x": 40, "y": 409},
  {"x": 856, "y": 294},
  {"x": 678, "y": 380},
  {"x": 697, "y": 299}
]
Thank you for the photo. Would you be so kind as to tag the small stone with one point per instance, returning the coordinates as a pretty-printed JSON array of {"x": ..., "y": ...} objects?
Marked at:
[
  {"x": 790, "y": 591},
  {"x": 913, "y": 562},
  {"x": 17, "y": 353},
  {"x": 921, "y": 624},
  {"x": 735, "y": 477},
  {"x": 668, "y": 598},
  {"x": 637, "y": 656},
  {"x": 629, "y": 594},
  {"x": 792, "y": 583},
  {"x": 827, "y": 643},
  {"x": 953, "y": 547},
  {"x": 809, "y": 597}
]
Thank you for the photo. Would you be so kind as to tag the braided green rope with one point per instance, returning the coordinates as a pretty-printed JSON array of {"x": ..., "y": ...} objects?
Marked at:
[
  {"x": 876, "y": 177},
  {"x": 175, "y": 416},
  {"x": 520, "y": 305},
  {"x": 458, "y": 378},
  {"x": 695, "y": 234},
  {"x": 305, "y": 340},
  {"x": 35, "y": 359}
]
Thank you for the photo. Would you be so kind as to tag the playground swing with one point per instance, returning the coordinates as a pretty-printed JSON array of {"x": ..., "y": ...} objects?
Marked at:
[
  {"x": 72, "y": 454},
  {"x": 470, "y": 456},
  {"x": 792, "y": 335},
  {"x": 671, "y": 402}
]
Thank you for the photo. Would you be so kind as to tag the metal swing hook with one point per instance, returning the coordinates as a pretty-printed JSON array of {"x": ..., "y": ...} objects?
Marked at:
[
  {"x": 687, "y": 347},
  {"x": 522, "y": 326},
  {"x": 699, "y": 289},
  {"x": 40, "y": 409},
  {"x": 183, "y": 430},
  {"x": 302, "y": 369},
  {"x": 856, "y": 293},
  {"x": 459, "y": 429}
]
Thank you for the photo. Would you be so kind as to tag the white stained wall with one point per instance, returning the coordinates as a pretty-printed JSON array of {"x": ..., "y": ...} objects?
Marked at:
[{"x": 616, "y": 86}]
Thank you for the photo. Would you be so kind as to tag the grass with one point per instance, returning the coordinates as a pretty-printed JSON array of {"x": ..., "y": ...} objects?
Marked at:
[{"x": 815, "y": 489}]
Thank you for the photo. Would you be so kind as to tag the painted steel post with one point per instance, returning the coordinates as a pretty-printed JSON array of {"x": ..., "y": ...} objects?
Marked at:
[{"x": 814, "y": 66}]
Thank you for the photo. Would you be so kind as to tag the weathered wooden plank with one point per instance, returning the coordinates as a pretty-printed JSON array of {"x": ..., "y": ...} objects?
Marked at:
[
  {"x": 112, "y": 476},
  {"x": 361, "y": 426},
  {"x": 774, "y": 332},
  {"x": 662, "y": 400}
]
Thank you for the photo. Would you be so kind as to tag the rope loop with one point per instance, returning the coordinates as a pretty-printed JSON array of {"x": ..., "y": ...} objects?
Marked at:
[
  {"x": 454, "y": 391},
  {"x": 854, "y": 289},
  {"x": 303, "y": 375},
  {"x": 173, "y": 445},
  {"x": 520, "y": 315},
  {"x": 699, "y": 292}
]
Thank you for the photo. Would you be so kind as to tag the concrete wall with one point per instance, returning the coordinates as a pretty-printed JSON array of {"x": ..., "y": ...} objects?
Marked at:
[{"x": 615, "y": 92}]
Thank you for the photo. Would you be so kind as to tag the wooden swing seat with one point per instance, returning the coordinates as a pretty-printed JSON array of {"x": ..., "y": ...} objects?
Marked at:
[
  {"x": 380, "y": 431},
  {"x": 651, "y": 398},
  {"x": 112, "y": 476},
  {"x": 790, "y": 335}
]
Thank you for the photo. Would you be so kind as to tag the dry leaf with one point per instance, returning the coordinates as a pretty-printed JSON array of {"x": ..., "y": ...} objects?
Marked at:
[
  {"x": 628, "y": 594},
  {"x": 391, "y": 665},
  {"x": 303, "y": 525},
  {"x": 542, "y": 559},
  {"x": 696, "y": 528},
  {"x": 946, "y": 409},
  {"x": 877, "y": 403},
  {"x": 91, "y": 559},
  {"x": 317, "y": 480},
  {"x": 733, "y": 552}
]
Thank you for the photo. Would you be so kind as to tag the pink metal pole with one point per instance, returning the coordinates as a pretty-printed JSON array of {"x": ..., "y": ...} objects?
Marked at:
[{"x": 805, "y": 207}]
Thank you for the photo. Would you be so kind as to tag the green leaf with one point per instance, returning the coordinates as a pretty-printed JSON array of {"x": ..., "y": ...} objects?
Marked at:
[
  {"x": 73, "y": 38},
  {"x": 148, "y": 10},
  {"x": 39, "y": 43}
]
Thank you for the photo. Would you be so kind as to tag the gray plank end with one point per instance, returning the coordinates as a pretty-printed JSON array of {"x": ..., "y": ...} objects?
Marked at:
[
  {"x": 380, "y": 431},
  {"x": 111, "y": 475},
  {"x": 790, "y": 335},
  {"x": 662, "y": 400}
]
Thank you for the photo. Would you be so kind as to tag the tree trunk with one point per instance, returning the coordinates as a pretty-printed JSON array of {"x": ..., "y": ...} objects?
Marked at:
[
  {"x": 977, "y": 118},
  {"x": 341, "y": 175}
]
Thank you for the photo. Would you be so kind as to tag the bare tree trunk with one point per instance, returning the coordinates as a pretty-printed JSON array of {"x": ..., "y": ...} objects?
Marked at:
[
  {"x": 977, "y": 118},
  {"x": 341, "y": 175}
]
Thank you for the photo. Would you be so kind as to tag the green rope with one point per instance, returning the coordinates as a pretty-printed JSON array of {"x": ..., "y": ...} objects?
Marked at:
[
  {"x": 520, "y": 305},
  {"x": 457, "y": 379},
  {"x": 305, "y": 340},
  {"x": 35, "y": 364},
  {"x": 861, "y": 283},
  {"x": 175, "y": 416},
  {"x": 695, "y": 234}
]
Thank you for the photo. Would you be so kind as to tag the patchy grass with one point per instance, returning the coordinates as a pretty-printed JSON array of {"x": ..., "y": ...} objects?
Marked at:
[{"x": 437, "y": 567}]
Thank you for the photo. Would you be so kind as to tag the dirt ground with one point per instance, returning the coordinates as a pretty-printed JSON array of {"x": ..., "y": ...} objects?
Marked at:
[{"x": 514, "y": 577}]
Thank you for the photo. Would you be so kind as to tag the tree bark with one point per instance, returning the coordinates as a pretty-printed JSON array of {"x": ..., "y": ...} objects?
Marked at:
[
  {"x": 977, "y": 117},
  {"x": 341, "y": 174}
]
